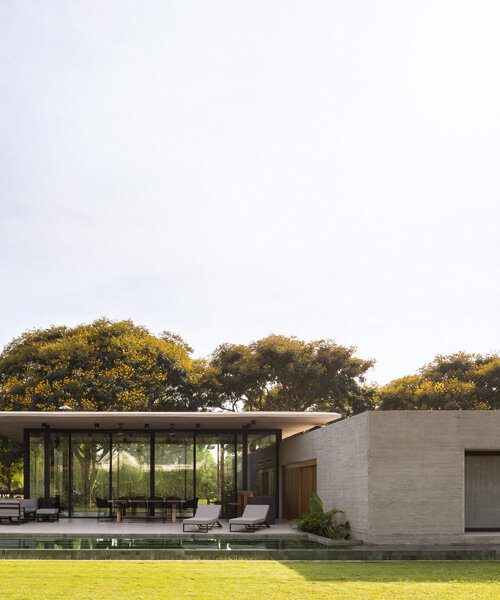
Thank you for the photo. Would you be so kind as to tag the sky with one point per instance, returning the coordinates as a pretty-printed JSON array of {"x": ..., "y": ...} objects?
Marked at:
[{"x": 230, "y": 169}]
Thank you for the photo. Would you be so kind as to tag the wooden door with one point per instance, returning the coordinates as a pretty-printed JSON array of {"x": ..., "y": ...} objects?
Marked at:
[{"x": 299, "y": 481}]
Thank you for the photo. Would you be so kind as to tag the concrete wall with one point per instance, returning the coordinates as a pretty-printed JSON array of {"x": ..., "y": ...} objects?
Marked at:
[
  {"x": 416, "y": 463},
  {"x": 341, "y": 451},
  {"x": 399, "y": 475}
]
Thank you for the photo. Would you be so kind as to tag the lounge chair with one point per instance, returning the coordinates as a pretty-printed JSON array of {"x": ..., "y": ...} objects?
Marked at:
[
  {"x": 254, "y": 517},
  {"x": 190, "y": 505},
  {"x": 206, "y": 517},
  {"x": 30, "y": 506}
]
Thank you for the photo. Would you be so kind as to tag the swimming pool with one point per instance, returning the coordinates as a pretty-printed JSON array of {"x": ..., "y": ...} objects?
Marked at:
[
  {"x": 201, "y": 547},
  {"x": 172, "y": 547},
  {"x": 156, "y": 543}
]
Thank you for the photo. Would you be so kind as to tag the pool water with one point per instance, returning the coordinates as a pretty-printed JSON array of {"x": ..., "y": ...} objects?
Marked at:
[{"x": 124, "y": 543}]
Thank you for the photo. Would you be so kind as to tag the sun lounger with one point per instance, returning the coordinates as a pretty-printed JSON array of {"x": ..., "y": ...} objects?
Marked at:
[
  {"x": 254, "y": 517},
  {"x": 206, "y": 517}
]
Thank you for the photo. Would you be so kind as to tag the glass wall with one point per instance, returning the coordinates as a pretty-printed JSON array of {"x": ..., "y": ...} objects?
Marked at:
[
  {"x": 219, "y": 462},
  {"x": 90, "y": 471},
  {"x": 83, "y": 466},
  {"x": 131, "y": 465},
  {"x": 262, "y": 464},
  {"x": 174, "y": 465},
  {"x": 59, "y": 470},
  {"x": 37, "y": 465}
]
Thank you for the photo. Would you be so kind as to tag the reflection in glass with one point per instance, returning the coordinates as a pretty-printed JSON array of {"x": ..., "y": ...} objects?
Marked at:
[
  {"x": 174, "y": 465},
  {"x": 59, "y": 470},
  {"x": 90, "y": 455},
  {"x": 131, "y": 465},
  {"x": 37, "y": 466},
  {"x": 262, "y": 464},
  {"x": 218, "y": 469},
  {"x": 83, "y": 465}
]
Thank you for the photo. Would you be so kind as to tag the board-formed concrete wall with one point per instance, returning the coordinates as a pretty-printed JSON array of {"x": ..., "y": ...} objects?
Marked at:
[
  {"x": 399, "y": 475},
  {"x": 417, "y": 467},
  {"x": 341, "y": 451}
]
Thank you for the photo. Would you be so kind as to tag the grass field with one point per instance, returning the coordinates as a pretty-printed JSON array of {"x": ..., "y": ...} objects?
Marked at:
[{"x": 247, "y": 580}]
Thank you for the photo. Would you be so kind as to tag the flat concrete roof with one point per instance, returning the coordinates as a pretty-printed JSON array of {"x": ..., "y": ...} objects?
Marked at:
[{"x": 13, "y": 423}]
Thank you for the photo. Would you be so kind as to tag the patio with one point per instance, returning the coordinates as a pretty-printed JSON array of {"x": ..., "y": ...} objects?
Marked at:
[{"x": 79, "y": 526}]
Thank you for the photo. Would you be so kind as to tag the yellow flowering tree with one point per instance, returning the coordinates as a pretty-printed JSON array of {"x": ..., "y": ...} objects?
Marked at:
[
  {"x": 458, "y": 381},
  {"x": 105, "y": 365}
]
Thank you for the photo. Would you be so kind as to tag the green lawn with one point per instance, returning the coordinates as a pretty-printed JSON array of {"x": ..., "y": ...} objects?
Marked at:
[{"x": 242, "y": 580}]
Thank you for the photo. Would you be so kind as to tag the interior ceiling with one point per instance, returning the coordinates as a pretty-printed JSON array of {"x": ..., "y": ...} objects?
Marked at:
[{"x": 13, "y": 423}]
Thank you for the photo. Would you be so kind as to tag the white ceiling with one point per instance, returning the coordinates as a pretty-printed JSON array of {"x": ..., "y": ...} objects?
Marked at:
[{"x": 13, "y": 423}]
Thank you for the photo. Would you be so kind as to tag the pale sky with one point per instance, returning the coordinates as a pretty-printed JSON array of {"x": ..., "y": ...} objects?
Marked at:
[{"x": 225, "y": 170}]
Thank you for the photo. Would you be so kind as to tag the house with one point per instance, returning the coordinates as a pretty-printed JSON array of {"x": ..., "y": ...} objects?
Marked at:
[
  {"x": 402, "y": 477},
  {"x": 423, "y": 477}
]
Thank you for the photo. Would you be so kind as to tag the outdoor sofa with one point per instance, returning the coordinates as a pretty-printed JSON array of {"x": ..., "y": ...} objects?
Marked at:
[
  {"x": 18, "y": 510},
  {"x": 22, "y": 510},
  {"x": 12, "y": 510},
  {"x": 254, "y": 517},
  {"x": 206, "y": 517}
]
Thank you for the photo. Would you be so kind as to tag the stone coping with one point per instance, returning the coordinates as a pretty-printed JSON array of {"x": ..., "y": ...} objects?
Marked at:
[{"x": 353, "y": 554}]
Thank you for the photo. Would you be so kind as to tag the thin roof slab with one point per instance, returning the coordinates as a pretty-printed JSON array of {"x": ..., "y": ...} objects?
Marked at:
[{"x": 13, "y": 423}]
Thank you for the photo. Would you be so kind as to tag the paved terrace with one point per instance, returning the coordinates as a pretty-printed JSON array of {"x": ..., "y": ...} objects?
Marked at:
[{"x": 93, "y": 526}]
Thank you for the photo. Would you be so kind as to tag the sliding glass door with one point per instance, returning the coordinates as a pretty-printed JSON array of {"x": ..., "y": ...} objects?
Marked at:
[
  {"x": 90, "y": 472},
  {"x": 174, "y": 465},
  {"x": 76, "y": 467},
  {"x": 59, "y": 471},
  {"x": 37, "y": 465},
  {"x": 131, "y": 465},
  {"x": 219, "y": 461}
]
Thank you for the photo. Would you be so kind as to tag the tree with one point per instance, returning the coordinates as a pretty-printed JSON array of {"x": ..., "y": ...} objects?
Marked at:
[
  {"x": 458, "y": 381},
  {"x": 284, "y": 373},
  {"x": 102, "y": 366},
  {"x": 11, "y": 465}
]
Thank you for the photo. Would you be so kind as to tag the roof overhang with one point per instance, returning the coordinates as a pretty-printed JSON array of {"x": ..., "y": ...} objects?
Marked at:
[{"x": 13, "y": 423}]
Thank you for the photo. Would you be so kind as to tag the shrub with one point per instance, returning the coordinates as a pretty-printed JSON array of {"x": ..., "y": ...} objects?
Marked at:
[{"x": 319, "y": 522}]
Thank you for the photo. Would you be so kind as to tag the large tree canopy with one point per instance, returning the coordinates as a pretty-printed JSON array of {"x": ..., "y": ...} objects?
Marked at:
[
  {"x": 458, "y": 381},
  {"x": 284, "y": 373},
  {"x": 102, "y": 366},
  {"x": 121, "y": 366}
]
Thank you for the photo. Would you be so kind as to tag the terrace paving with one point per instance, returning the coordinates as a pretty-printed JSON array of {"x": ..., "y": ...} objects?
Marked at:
[{"x": 88, "y": 526}]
